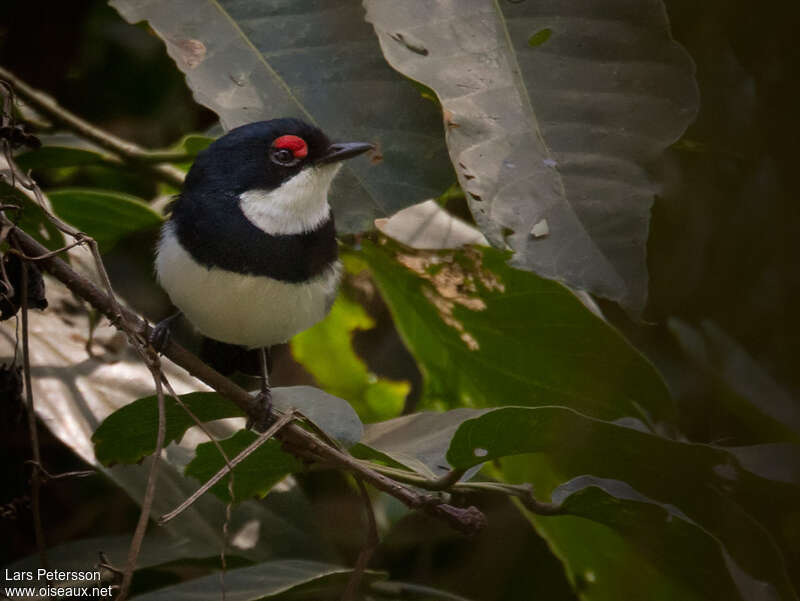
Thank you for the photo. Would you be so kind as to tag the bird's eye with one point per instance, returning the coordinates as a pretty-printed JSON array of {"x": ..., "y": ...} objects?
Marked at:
[
  {"x": 288, "y": 150},
  {"x": 283, "y": 156}
]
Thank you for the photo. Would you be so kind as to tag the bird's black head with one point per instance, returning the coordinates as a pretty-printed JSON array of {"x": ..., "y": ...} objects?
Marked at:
[{"x": 262, "y": 156}]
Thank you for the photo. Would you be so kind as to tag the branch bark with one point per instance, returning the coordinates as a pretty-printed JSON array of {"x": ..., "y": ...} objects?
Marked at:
[{"x": 127, "y": 151}]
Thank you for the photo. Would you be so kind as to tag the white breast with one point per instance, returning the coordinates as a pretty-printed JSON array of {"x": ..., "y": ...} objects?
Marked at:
[{"x": 249, "y": 310}]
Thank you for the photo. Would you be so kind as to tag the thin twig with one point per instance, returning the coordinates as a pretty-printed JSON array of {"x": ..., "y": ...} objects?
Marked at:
[
  {"x": 195, "y": 419},
  {"x": 149, "y": 493},
  {"x": 446, "y": 481},
  {"x": 251, "y": 448},
  {"x": 73, "y": 474},
  {"x": 36, "y": 481},
  {"x": 125, "y": 150},
  {"x": 20, "y": 180},
  {"x": 107, "y": 565},
  {"x": 225, "y": 534},
  {"x": 523, "y": 492},
  {"x": 229, "y": 505},
  {"x": 370, "y": 544},
  {"x": 47, "y": 255}
]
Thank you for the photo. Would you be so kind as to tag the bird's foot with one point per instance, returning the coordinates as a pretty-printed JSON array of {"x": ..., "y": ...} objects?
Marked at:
[
  {"x": 160, "y": 334},
  {"x": 263, "y": 417}
]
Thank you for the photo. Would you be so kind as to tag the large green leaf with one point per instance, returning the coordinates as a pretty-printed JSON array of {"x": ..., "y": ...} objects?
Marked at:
[
  {"x": 701, "y": 485},
  {"x": 253, "y": 583},
  {"x": 553, "y": 110},
  {"x": 637, "y": 551},
  {"x": 326, "y": 351},
  {"x": 260, "y": 59},
  {"x": 486, "y": 334},
  {"x": 106, "y": 216}
]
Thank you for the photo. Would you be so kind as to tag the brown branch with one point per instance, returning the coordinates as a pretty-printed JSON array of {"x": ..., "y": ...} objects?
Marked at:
[
  {"x": 449, "y": 482},
  {"x": 36, "y": 481},
  {"x": 127, "y": 151},
  {"x": 299, "y": 441},
  {"x": 52, "y": 253}
]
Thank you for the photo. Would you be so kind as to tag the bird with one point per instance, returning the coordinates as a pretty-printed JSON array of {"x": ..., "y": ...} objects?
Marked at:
[{"x": 249, "y": 253}]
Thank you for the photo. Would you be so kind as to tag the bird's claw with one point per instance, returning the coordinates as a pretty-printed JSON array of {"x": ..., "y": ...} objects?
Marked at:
[
  {"x": 160, "y": 334},
  {"x": 262, "y": 417}
]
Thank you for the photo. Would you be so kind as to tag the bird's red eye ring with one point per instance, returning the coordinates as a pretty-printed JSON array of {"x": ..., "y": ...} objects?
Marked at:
[{"x": 297, "y": 146}]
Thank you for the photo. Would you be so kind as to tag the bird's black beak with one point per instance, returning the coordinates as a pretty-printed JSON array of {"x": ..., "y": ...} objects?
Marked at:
[{"x": 344, "y": 150}]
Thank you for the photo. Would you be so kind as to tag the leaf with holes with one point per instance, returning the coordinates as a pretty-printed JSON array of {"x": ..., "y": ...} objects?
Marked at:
[
  {"x": 553, "y": 110},
  {"x": 485, "y": 334}
]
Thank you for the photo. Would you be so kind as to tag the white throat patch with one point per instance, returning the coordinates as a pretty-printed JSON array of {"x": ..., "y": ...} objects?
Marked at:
[{"x": 298, "y": 206}]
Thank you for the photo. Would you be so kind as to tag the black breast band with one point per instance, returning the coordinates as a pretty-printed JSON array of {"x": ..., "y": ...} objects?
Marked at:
[{"x": 227, "y": 239}]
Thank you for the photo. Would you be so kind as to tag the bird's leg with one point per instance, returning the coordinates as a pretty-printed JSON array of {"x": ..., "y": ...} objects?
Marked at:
[
  {"x": 159, "y": 335},
  {"x": 264, "y": 415}
]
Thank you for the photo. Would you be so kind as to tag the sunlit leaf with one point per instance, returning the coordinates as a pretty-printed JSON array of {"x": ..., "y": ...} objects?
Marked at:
[
  {"x": 326, "y": 351},
  {"x": 428, "y": 226}
]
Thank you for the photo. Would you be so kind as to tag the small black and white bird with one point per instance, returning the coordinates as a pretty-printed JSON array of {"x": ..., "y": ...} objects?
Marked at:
[{"x": 249, "y": 253}]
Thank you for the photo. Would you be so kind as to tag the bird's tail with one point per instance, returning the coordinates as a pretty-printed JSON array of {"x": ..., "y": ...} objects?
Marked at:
[{"x": 229, "y": 358}]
